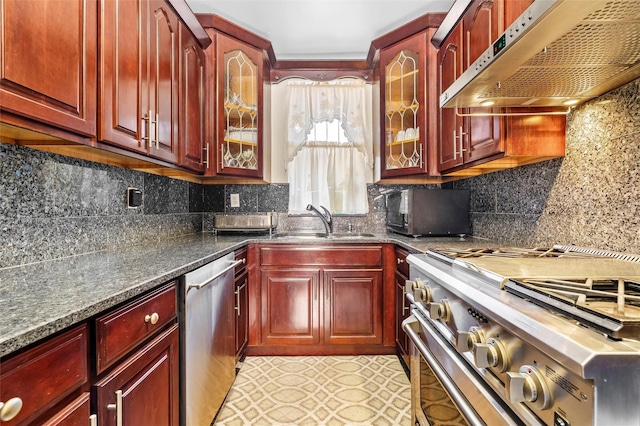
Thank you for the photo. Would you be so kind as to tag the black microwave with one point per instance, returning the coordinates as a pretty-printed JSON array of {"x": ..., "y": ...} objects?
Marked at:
[{"x": 429, "y": 212}]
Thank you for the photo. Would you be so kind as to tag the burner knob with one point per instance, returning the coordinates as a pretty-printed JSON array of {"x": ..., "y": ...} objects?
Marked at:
[
  {"x": 528, "y": 385},
  {"x": 411, "y": 285},
  {"x": 466, "y": 340},
  {"x": 420, "y": 291},
  {"x": 440, "y": 310},
  {"x": 423, "y": 294},
  {"x": 492, "y": 354}
]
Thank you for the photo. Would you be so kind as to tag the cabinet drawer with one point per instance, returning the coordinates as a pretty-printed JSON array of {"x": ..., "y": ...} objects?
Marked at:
[
  {"x": 77, "y": 412},
  {"x": 46, "y": 374},
  {"x": 351, "y": 256},
  {"x": 401, "y": 262},
  {"x": 123, "y": 329}
]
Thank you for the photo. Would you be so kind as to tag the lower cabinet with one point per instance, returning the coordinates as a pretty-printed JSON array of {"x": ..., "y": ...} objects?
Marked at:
[
  {"x": 38, "y": 383},
  {"x": 143, "y": 389},
  {"x": 353, "y": 306},
  {"x": 132, "y": 378},
  {"x": 241, "y": 305},
  {"x": 78, "y": 412},
  {"x": 319, "y": 299},
  {"x": 290, "y": 306},
  {"x": 402, "y": 310}
]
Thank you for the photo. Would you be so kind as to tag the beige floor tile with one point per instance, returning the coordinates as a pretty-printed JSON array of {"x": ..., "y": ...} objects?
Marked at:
[{"x": 318, "y": 391}]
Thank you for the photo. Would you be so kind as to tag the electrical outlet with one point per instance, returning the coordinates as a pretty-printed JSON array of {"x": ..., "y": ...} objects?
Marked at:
[{"x": 235, "y": 200}]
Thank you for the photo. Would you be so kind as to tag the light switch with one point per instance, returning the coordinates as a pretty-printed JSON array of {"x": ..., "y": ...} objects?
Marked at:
[{"x": 235, "y": 200}]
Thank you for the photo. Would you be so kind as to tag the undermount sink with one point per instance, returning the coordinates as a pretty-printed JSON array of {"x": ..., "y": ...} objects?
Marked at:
[
  {"x": 351, "y": 235},
  {"x": 323, "y": 235}
]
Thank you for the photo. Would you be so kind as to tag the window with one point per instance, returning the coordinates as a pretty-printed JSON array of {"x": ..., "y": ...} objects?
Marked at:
[{"x": 329, "y": 147}]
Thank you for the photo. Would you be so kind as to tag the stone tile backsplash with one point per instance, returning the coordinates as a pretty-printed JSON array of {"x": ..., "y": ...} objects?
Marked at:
[
  {"x": 588, "y": 198},
  {"x": 54, "y": 206}
]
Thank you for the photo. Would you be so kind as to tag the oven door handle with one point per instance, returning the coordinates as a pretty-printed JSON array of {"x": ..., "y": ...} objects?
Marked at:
[{"x": 411, "y": 325}]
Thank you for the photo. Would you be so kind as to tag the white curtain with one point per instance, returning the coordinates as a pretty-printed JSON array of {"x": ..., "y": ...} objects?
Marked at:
[
  {"x": 312, "y": 103},
  {"x": 327, "y": 172}
]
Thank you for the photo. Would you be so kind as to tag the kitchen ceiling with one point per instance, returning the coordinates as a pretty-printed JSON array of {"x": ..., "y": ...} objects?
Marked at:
[{"x": 320, "y": 29}]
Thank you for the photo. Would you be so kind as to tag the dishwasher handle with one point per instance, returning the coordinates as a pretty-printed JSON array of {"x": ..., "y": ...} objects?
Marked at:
[{"x": 233, "y": 264}]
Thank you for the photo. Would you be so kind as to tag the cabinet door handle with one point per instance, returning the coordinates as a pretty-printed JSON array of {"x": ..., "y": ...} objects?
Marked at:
[
  {"x": 117, "y": 407},
  {"x": 153, "y": 318},
  {"x": 10, "y": 409},
  {"x": 404, "y": 301},
  {"x": 157, "y": 131},
  {"x": 145, "y": 120},
  {"x": 93, "y": 420},
  {"x": 455, "y": 147},
  {"x": 461, "y": 141},
  {"x": 206, "y": 156},
  {"x": 237, "y": 292}
]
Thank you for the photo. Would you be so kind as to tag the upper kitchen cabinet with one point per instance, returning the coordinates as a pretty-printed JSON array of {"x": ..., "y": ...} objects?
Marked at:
[
  {"x": 407, "y": 97},
  {"x": 48, "y": 65},
  {"x": 234, "y": 118},
  {"x": 139, "y": 59},
  {"x": 192, "y": 147},
  {"x": 450, "y": 124},
  {"x": 472, "y": 141},
  {"x": 239, "y": 101}
]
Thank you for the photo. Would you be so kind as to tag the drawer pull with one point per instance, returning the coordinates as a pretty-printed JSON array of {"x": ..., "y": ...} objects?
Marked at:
[
  {"x": 153, "y": 318},
  {"x": 93, "y": 420},
  {"x": 117, "y": 407},
  {"x": 399, "y": 260},
  {"x": 10, "y": 409}
]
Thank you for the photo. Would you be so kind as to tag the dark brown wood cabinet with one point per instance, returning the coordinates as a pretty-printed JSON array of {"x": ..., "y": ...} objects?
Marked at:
[
  {"x": 480, "y": 27},
  {"x": 48, "y": 65},
  {"x": 319, "y": 299},
  {"x": 78, "y": 412},
  {"x": 451, "y": 125},
  {"x": 192, "y": 146},
  {"x": 237, "y": 70},
  {"x": 44, "y": 377},
  {"x": 143, "y": 389},
  {"x": 408, "y": 99},
  {"x": 122, "y": 329},
  {"x": 353, "y": 306},
  {"x": 123, "y": 360},
  {"x": 241, "y": 305},
  {"x": 470, "y": 140},
  {"x": 290, "y": 312},
  {"x": 139, "y": 62},
  {"x": 402, "y": 310},
  {"x": 137, "y": 354}
]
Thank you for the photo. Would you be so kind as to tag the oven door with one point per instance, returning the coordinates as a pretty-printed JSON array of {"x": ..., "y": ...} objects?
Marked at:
[{"x": 444, "y": 388}]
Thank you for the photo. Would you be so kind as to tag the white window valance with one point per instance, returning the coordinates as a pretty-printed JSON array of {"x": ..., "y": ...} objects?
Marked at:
[{"x": 313, "y": 103}]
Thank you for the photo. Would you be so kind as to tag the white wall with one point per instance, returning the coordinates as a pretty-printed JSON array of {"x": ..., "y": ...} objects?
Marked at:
[{"x": 278, "y": 126}]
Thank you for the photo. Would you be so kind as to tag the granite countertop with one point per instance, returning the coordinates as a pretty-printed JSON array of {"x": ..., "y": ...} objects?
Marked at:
[{"x": 42, "y": 298}]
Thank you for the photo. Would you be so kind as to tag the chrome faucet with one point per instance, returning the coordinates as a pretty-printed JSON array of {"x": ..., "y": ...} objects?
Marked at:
[{"x": 327, "y": 220}]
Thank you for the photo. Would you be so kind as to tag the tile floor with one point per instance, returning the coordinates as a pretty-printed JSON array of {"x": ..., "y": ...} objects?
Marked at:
[{"x": 316, "y": 391}]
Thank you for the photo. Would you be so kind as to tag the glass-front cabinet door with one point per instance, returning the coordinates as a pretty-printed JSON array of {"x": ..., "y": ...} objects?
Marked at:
[
  {"x": 403, "y": 108},
  {"x": 239, "y": 108}
]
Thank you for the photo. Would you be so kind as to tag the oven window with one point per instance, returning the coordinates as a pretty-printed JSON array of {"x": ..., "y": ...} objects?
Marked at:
[{"x": 435, "y": 402}]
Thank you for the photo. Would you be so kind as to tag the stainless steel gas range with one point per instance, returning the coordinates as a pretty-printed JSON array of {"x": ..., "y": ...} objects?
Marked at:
[{"x": 525, "y": 336}]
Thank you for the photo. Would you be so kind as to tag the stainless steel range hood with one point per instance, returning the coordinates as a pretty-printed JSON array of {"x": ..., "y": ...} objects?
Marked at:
[{"x": 556, "y": 52}]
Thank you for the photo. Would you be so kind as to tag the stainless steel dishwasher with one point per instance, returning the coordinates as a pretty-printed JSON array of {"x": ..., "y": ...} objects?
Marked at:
[{"x": 207, "y": 340}]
